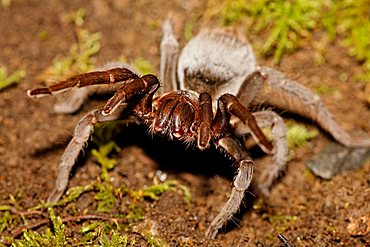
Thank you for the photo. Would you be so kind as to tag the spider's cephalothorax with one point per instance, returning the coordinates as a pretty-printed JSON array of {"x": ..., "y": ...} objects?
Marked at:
[{"x": 204, "y": 99}]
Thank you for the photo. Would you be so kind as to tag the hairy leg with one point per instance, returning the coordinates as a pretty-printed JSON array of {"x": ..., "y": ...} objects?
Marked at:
[
  {"x": 81, "y": 135},
  {"x": 110, "y": 76},
  {"x": 227, "y": 105},
  {"x": 144, "y": 85},
  {"x": 288, "y": 94},
  {"x": 169, "y": 55},
  {"x": 206, "y": 115},
  {"x": 77, "y": 96},
  {"x": 269, "y": 119},
  {"x": 241, "y": 183},
  {"x": 234, "y": 107},
  {"x": 250, "y": 88}
]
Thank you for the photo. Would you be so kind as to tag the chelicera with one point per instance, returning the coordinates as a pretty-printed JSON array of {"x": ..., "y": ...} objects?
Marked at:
[{"x": 205, "y": 97}]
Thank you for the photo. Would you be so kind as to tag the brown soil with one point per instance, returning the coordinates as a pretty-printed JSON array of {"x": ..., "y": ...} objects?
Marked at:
[{"x": 309, "y": 211}]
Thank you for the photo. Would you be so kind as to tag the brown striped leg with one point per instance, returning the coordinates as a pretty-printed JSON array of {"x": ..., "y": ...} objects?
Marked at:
[
  {"x": 206, "y": 116},
  {"x": 138, "y": 86},
  {"x": 269, "y": 119},
  {"x": 81, "y": 135},
  {"x": 93, "y": 78},
  {"x": 77, "y": 96},
  {"x": 169, "y": 56},
  {"x": 250, "y": 88},
  {"x": 241, "y": 183},
  {"x": 236, "y": 108},
  {"x": 289, "y": 95}
]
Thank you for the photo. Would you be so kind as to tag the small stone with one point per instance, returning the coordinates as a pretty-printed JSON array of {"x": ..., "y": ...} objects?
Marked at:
[
  {"x": 161, "y": 176},
  {"x": 359, "y": 226},
  {"x": 335, "y": 158}
]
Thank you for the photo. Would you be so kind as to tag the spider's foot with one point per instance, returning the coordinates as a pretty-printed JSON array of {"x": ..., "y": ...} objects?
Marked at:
[
  {"x": 39, "y": 92},
  {"x": 266, "y": 180},
  {"x": 264, "y": 189},
  {"x": 54, "y": 196},
  {"x": 220, "y": 220},
  {"x": 357, "y": 142},
  {"x": 211, "y": 232}
]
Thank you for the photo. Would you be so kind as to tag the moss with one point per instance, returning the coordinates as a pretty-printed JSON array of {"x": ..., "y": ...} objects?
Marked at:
[
  {"x": 285, "y": 26},
  {"x": 70, "y": 196},
  {"x": 79, "y": 59},
  {"x": 280, "y": 222},
  {"x": 234, "y": 12},
  {"x": 77, "y": 18},
  {"x": 152, "y": 192},
  {"x": 287, "y": 22},
  {"x": 106, "y": 196},
  {"x": 143, "y": 66},
  {"x": 135, "y": 212},
  {"x": 153, "y": 241},
  {"x": 189, "y": 26},
  {"x": 6, "y": 3},
  {"x": 116, "y": 240},
  {"x": 51, "y": 237},
  {"x": 5, "y": 220},
  {"x": 298, "y": 135},
  {"x": 351, "y": 20},
  {"x": 8, "y": 80},
  {"x": 325, "y": 89}
]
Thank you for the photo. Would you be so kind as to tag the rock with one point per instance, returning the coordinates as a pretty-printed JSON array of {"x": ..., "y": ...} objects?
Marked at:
[
  {"x": 359, "y": 226},
  {"x": 335, "y": 158}
]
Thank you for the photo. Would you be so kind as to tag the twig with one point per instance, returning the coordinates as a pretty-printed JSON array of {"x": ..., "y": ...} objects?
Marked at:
[
  {"x": 14, "y": 210},
  {"x": 39, "y": 223},
  {"x": 284, "y": 240}
]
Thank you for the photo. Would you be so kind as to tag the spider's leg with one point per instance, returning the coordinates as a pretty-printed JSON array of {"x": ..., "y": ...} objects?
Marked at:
[
  {"x": 250, "y": 88},
  {"x": 288, "y": 94},
  {"x": 81, "y": 135},
  {"x": 206, "y": 116},
  {"x": 138, "y": 86},
  {"x": 241, "y": 183},
  {"x": 169, "y": 55},
  {"x": 228, "y": 143},
  {"x": 77, "y": 96},
  {"x": 93, "y": 78},
  {"x": 74, "y": 101},
  {"x": 269, "y": 119},
  {"x": 236, "y": 108}
]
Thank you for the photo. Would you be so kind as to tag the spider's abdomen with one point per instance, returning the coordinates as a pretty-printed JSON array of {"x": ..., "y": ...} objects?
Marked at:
[
  {"x": 175, "y": 115},
  {"x": 216, "y": 62}
]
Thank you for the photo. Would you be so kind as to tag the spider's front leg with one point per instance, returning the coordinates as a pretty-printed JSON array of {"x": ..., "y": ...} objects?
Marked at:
[
  {"x": 226, "y": 141},
  {"x": 241, "y": 183},
  {"x": 144, "y": 87},
  {"x": 93, "y": 78},
  {"x": 77, "y": 96},
  {"x": 269, "y": 119},
  {"x": 289, "y": 95}
]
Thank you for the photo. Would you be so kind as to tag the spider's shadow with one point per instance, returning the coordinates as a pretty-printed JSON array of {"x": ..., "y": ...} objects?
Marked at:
[{"x": 175, "y": 157}]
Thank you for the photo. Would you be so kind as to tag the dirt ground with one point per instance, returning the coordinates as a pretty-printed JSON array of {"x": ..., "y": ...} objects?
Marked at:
[{"x": 309, "y": 211}]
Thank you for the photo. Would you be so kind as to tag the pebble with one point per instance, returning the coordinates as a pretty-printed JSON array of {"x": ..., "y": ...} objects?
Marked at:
[
  {"x": 335, "y": 158},
  {"x": 359, "y": 226}
]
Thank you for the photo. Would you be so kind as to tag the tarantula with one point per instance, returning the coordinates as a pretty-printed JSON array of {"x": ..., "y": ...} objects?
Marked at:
[{"x": 205, "y": 99}]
